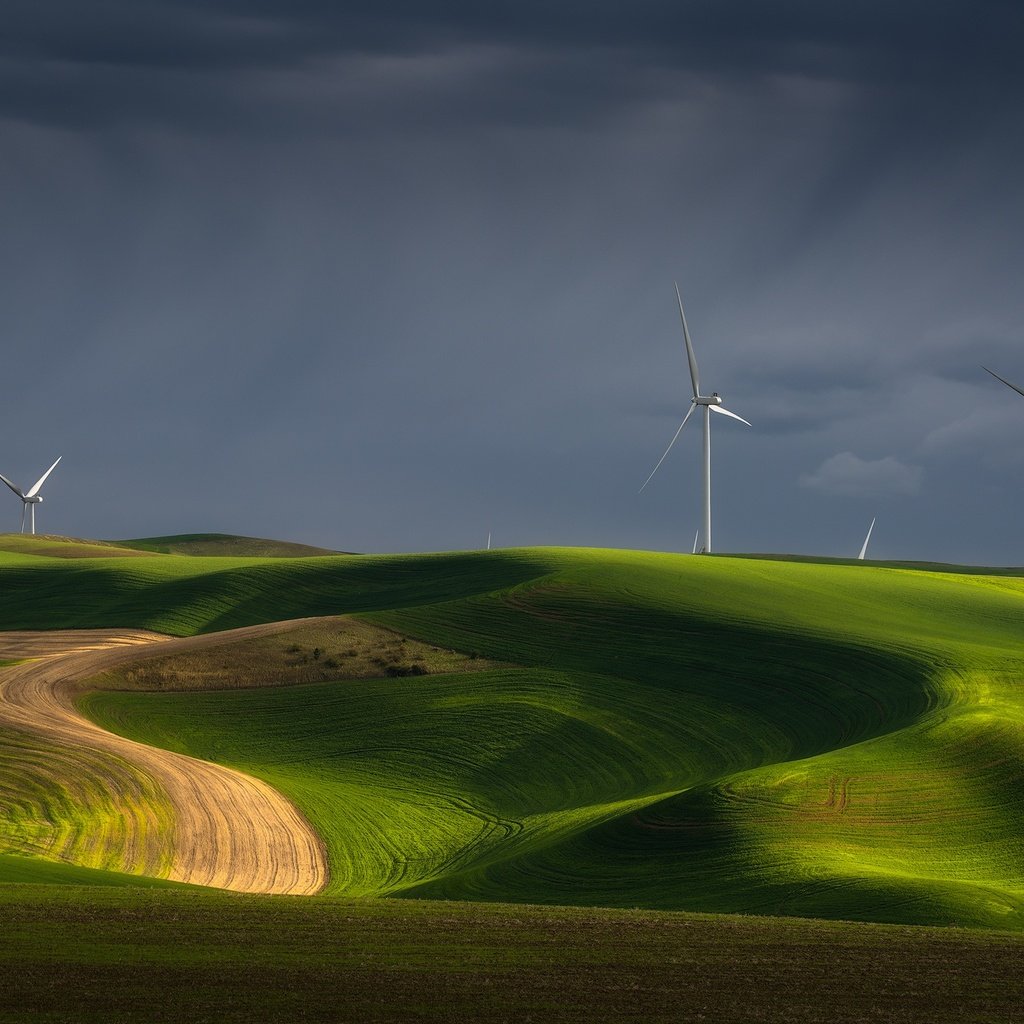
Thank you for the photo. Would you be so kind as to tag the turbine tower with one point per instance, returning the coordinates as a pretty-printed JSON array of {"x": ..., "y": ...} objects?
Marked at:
[
  {"x": 709, "y": 403},
  {"x": 864, "y": 546},
  {"x": 31, "y": 497},
  {"x": 1019, "y": 391}
]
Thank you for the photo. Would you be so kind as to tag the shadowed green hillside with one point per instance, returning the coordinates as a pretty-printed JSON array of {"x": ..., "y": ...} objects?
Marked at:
[
  {"x": 181, "y": 595},
  {"x": 682, "y": 733}
]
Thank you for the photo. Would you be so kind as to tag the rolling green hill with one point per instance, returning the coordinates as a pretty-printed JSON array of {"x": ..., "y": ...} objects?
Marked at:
[
  {"x": 714, "y": 734},
  {"x": 183, "y": 595}
]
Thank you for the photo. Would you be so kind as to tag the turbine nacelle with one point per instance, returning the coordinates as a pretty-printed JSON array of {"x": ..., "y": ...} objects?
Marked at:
[{"x": 713, "y": 399}]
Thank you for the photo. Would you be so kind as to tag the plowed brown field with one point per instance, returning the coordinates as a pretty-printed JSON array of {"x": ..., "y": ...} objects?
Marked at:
[{"x": 229, "y": 830}]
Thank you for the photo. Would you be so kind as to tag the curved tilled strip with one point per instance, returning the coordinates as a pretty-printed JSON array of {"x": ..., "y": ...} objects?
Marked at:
[{"x": 230, "y": 830}]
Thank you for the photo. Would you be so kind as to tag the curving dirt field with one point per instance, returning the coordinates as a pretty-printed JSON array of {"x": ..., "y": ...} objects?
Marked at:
[{"x": 229, "y": 830}]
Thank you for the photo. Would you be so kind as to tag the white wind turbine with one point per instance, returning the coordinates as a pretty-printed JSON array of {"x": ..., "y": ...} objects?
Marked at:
[
  {"x": 864, "y": 546},
  {"x": 31, "y": 497},
  {"x": 710, "y": 403}
]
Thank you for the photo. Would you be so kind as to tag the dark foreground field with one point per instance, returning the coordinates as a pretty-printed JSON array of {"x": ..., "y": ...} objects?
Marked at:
[{"x": 159, "y": 955}]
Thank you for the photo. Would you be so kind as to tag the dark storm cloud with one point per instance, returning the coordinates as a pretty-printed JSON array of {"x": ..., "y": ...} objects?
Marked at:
[
  {"x": 215, "y": 62},
  {"x": 908, "y": 41},
  {"x": 386, "y": 277}
]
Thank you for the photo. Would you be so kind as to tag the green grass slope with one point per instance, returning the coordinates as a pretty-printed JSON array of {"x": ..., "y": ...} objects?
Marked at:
[
  {"x": 16, "y": 869},
  {"x": 683, "y": 733},
  {"x": 75, "y": 807}
]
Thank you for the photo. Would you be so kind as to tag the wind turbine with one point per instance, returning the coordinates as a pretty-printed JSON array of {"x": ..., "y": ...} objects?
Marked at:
[
  {"x": 864, "y": 546},
  {"x": 709, "y": 403},
  {"x": 31, "y": 497},
  {"x": 1019, "y": 391}
]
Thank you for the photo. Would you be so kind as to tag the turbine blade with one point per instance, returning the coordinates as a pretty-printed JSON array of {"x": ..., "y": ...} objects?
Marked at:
[
  {"x": 695, "y": 536},
  {"x": 669, "y": 448},
  {"x": 39, "y": 483},
  {"x": 690, "y": 357},
  {"x": 864, "y": 547},
  {"x": 24, "y": 505},
  {"x": 1019, "y": 391},
  {"x": 725, "y": 412},
  {"x": 14, "y": 487}
]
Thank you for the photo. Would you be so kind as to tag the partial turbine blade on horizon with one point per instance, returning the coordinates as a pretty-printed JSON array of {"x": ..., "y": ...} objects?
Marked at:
[
  {"x": 39, "y": 483},
  {"x": 669, "y": 448},
  {"x": 14, "y": 487},
  {"x": 1020, "y": 391},
  {"x": 725, "y": 412},
  {"x": 690, "y": 357},
  {"x": 695, "y": 538},
  {"x": 864, "y": 546}
]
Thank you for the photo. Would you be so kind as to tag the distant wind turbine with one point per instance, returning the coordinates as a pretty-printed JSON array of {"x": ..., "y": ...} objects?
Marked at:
[
  {"x": 1019, "y": 391},
  {"x": 864, "y": 546},
  {"x": 31, "y": 497},
  {"x": 712, "y": 402},
  {"x": 488, "y": 540}
]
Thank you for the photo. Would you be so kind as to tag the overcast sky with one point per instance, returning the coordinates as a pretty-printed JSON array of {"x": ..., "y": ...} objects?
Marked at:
[{"x": 384, "y": 277}]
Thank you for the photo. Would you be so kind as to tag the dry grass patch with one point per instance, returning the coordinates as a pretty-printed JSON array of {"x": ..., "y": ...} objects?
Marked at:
[
  {"x": 337, "y": 647},
  {"x": 50, "y": 545},
  {"x": 224, "y": 544}
]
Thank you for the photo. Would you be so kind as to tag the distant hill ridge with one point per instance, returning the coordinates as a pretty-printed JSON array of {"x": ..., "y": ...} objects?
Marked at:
[
  {"x": 196, "y": 544},
  {"x": 221, "y": 544},
  {"x": 49, "y": 545}
]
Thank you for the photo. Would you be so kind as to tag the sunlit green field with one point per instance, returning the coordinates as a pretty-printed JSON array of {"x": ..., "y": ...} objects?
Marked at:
[{"x": 712, "y": 734}]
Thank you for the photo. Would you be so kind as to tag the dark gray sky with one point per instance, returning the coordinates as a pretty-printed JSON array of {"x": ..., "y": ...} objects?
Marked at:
[{"x": 385, "y": 277}]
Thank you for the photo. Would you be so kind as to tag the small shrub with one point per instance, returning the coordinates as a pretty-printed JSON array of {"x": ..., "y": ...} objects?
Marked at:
[
  {"x": 401, "y": 671},
  {"x": 316, "y": 653}
]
